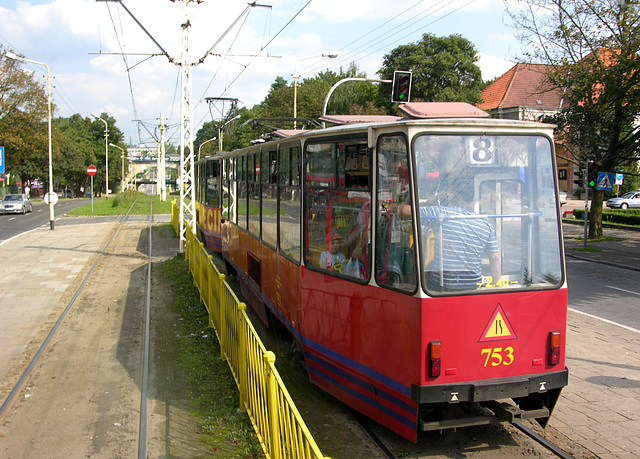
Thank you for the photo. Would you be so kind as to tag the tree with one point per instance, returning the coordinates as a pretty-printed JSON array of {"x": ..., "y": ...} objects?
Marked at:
[
  {"x": 79, "y": 150},
  {"x": 592, "y": 48},
  {"x": 23, "y": 121},
  {"x": 444, "y": 69},
  {"x": 354, "y": 98}
]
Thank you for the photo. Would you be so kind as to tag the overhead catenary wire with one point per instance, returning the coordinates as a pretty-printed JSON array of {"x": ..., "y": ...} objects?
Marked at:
[
  {"x": 126, "y": 64},
  {"x": 265, "y": 46},
  {"x": 390, "y": 37}
]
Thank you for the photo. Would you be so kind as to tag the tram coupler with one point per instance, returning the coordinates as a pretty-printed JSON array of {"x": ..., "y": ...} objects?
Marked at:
[{"x": 511, "y": 413}]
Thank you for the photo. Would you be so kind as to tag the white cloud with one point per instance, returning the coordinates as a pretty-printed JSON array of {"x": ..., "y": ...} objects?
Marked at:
[
  {"x": 493, "y": 66},
  {"x": 66, "y": 34}
]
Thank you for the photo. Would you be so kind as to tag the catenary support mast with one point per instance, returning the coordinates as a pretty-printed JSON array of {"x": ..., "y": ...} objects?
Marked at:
[{"x": 187, "y": 189}]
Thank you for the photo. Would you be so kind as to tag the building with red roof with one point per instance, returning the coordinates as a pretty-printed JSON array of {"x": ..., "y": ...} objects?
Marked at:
[{"x": 525, "y": 93}]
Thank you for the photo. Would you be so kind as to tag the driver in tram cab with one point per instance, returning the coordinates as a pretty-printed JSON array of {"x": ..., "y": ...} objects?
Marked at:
[{"x": 464, "y": 242}]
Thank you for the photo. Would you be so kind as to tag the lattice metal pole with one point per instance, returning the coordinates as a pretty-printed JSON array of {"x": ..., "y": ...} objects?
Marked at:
[{"x": 187, "y": 189}]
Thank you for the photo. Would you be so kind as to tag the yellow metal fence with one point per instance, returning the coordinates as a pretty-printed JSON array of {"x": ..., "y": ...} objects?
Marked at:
[{"x": 278, "y": 424}]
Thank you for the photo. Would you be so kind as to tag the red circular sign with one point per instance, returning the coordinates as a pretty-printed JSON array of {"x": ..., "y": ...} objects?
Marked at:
[{"x": 91, "y": 170}]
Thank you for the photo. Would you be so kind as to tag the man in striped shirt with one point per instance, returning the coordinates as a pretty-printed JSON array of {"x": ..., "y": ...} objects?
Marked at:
[{"x": 461, "y": 239}]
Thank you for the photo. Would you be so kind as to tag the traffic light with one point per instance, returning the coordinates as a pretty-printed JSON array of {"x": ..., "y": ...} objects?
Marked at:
[
  {"x": 579, "y": 178},
  {"x": 401, "y": 91},
  {"x": 592, "y": 174}
]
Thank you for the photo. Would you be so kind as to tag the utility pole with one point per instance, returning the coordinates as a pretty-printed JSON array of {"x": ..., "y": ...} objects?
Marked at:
[
  {"x": 162, "y": 170},
  {"x": 187, "y": 182}
]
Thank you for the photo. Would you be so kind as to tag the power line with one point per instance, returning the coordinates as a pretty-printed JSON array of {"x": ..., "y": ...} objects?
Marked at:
[{"x": 381, "y": 41}]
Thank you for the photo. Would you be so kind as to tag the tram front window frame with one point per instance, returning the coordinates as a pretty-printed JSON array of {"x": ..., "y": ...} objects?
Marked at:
[{"x": 501, "y": 188}]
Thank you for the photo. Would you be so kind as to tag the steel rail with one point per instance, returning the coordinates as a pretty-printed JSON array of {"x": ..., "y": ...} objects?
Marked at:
[
  {"x": 142, "y": 433},
  {"x": 550, "y": 446}
]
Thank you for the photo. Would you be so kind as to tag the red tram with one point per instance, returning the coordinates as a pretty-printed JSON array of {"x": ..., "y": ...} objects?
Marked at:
[{"x": 418, "y": 263}]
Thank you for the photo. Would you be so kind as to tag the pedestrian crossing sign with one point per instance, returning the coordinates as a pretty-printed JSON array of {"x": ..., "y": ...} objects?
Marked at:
[{"x": 605, "y": 181}]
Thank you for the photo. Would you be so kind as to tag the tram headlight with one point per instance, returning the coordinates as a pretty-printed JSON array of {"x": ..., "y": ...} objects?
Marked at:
[
  {"x": 435, "y": 362},
  {"x": 554, "y": 348}
]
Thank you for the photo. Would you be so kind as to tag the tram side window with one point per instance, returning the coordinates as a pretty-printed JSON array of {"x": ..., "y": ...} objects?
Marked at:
[
  {"x": 268, "y": 179},
  {"x": 241, "y": 193},
  {"x": 253, "y": 182},
  {"x": 289, "y": 201},
  {"x": 201, "y": 182},
  {"x": 337, "y": 212},
  {"x": 225, "y": 189},
  {"x": 212, "y": 196},
  {"x": 231, "y": 164},
  {"x": 395, "y": 242}
]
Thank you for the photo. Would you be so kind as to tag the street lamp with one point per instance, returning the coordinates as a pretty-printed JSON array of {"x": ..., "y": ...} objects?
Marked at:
[
  {"x": 206, "y": 141},
  {"x": 11, "y": 55},
  {"x": 106, "y": 152},
  {"x": 121, "y": 157},
  {"x": 220, "y": 128},
  {"x": 295, "y": 82}
]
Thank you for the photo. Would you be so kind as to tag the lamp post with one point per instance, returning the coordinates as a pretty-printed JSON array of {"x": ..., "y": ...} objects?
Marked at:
[
  {"x": 206, "y": 141},
  {"x": 106, "y": 152},
  {"x": 295, "y": 83},
  {"x": 52, "y": 200},
  {"x": 121, "y": 157},
  {"x": 220, "y": 128}
]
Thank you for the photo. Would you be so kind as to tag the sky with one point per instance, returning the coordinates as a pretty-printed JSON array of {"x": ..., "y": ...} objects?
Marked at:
[{"x": 105, "y": 59}]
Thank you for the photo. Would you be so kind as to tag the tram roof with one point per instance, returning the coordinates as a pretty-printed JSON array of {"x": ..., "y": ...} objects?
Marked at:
[
  {"x": 358, "y": 119},
  {"x": 422, "y": 110}
]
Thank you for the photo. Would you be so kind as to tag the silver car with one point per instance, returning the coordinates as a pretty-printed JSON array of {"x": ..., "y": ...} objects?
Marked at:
[
  {"x": 627, "y": 200},
  {"x": 16, "y": 204}
]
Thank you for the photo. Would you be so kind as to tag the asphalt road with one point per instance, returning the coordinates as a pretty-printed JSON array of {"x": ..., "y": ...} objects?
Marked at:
[
  {"x": 605, "y": 291},
  {"x": 14, "y": 224}
]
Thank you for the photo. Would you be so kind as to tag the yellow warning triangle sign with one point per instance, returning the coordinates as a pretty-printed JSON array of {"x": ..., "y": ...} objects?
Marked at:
[{"x": 498, "y": 328}]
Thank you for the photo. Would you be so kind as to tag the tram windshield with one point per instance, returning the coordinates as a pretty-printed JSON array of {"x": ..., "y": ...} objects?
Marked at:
[{"x": 488, "y": 213}]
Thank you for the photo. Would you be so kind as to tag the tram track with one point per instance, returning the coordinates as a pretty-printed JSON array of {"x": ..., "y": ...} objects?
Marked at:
[
  {"x": 541, "y": 440},
  {"x": 35, "y": 362},
  {"x": 388, "y": 451}
]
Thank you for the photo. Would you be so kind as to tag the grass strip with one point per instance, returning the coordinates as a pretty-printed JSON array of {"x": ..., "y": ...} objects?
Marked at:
[{"x": 210, "y": 384}]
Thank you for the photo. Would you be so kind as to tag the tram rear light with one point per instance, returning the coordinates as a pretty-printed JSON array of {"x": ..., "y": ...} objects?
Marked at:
[
  {"x": 435, "y": 363},
  {"x": 554, "y": 348}
]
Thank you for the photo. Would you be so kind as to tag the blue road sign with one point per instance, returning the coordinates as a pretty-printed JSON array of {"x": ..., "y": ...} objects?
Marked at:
[
  {"x": 619, "y": 179},
  {"x": 605, "y": 181},
  {"x": 1, "y": 160}
]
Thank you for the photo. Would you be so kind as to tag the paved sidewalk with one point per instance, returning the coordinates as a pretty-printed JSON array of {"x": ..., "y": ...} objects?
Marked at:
[
  {"x": 41, "y": 271},
  {"x": 37, "y": 270},
  {"x": 600, "y": 408},
  {"x": 624, "y": 253}
]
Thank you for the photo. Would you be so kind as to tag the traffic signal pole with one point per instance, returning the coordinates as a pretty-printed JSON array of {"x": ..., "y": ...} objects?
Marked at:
[
  {"x": 344, "y": 80},
  {"x": 586, "y": 214}
]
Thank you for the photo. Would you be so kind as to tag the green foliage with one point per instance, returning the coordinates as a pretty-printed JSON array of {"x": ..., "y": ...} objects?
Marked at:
[
  {"x": 350, "y": 98},
  {"x": 593, "y": 49},
  {"x": 122, "y": 202},
  {"x": 630, "y": 217},
  {"x": 209, "y": 380},
  {"x": 23, "y": 121},
  {"x": 76, "y": 142},
  {"x": 444, "y": 69}
]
